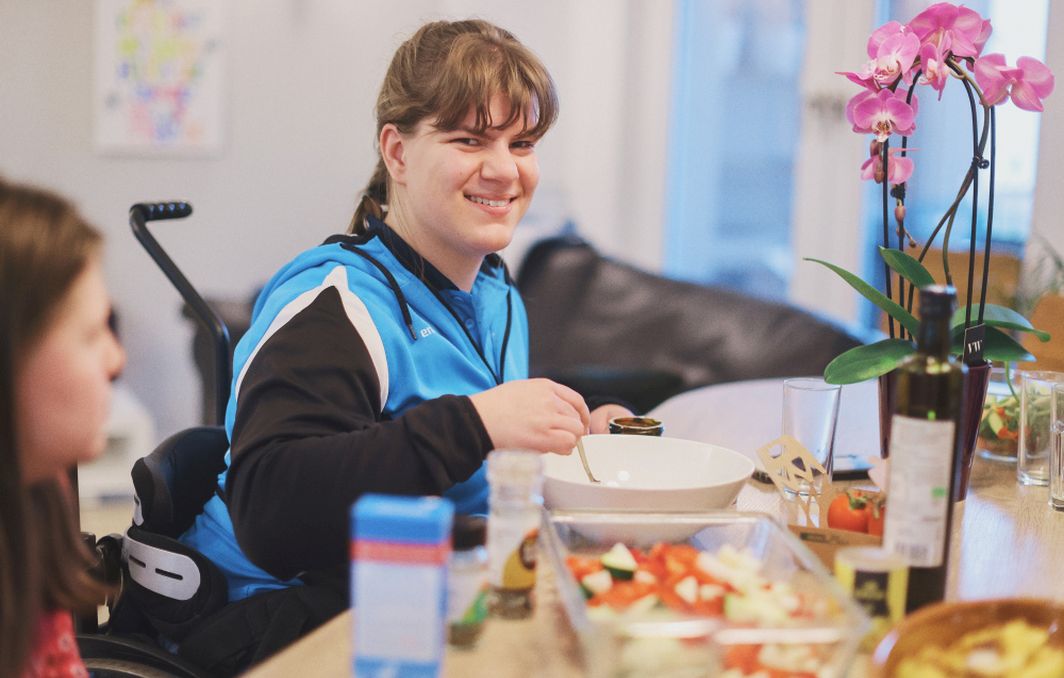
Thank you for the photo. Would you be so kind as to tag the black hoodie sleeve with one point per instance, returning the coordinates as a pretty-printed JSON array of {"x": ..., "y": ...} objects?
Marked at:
[{"x": 308, "y": 440}]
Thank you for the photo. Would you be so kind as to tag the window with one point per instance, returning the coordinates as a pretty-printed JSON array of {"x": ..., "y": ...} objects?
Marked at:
[
  {"x": 733, "y": 139},
  {"x": 942, "y": 144}
]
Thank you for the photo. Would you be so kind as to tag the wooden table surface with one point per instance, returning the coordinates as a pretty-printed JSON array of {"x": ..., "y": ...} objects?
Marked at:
[{"x": 1006, "y": 542}]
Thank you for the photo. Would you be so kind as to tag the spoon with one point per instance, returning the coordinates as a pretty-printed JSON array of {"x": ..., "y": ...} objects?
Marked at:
[{"x": 583, "y": 459}]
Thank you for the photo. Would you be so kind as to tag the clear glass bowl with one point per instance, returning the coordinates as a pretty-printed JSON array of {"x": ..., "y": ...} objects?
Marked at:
[
  {"x": 999, "y": 432},
  {"x": 662, "y": 642}
]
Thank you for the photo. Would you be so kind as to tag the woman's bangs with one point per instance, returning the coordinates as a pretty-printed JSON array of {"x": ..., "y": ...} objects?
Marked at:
[{"x": 525, "y": 86}]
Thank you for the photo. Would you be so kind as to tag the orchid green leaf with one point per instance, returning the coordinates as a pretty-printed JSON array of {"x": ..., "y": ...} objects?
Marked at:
[
  {"x": 907, "y": 267},
  {"x": 998, "y": 316},
  {"x": 875, "y": 296},
  {"x": 866, "y": 362},
  {"x": 997, "y": 346}
]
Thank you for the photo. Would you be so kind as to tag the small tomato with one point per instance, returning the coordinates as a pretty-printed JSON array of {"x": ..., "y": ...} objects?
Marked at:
[{"x": 847, "y": 512}]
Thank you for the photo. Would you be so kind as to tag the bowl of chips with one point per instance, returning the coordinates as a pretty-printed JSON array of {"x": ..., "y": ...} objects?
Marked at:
[{"x": 1001, "y": 638}]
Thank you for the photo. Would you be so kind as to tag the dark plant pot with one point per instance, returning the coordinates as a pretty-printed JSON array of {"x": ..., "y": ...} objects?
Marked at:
[{"x": 975, "y": 385}]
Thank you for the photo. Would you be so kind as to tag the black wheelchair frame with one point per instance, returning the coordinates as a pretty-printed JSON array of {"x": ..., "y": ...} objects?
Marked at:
[{"x": 172, "y": 484}]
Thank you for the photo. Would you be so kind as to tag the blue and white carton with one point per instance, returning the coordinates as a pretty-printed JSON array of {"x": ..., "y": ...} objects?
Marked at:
[{"x": 400, "y": 547}]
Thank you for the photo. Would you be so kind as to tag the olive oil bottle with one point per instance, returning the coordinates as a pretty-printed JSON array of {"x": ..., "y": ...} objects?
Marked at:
[{"x": 925, "y": 449}]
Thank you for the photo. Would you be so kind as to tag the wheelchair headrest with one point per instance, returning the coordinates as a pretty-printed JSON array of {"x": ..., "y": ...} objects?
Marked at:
[{"x": 174, "y": 482}]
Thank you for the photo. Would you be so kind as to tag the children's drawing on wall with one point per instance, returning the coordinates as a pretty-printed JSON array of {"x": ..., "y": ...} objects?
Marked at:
[{"x": 158, "y": 77}]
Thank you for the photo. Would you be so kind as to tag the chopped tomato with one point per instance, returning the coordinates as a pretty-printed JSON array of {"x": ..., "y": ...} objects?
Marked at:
[
  {"x": 581, "y": 566},
  {"x": 714, "y": 607},
  {"x": 742, "y": 657},
  {"x": 704, "y": 577},
  {"x": 638, "y": 555},
  {"x": 657, "y": 551},
  {"x": 680, "y": 559},
  {"x": 685, "y": 553},
  {"x": 623, "y": 593},
  {"x": 654, "y": 567},
  {"x": 668, "y": 596}
]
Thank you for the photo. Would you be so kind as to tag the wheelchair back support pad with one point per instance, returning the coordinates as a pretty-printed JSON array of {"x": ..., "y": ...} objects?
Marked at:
[{"x": 180, "y": 593}]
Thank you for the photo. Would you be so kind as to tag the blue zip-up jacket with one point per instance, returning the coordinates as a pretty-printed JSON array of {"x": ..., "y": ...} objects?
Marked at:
[{"x": 354, "y": 377}]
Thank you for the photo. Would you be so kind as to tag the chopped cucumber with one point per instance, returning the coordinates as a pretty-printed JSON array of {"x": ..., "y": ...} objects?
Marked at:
[
  {"x": 620, "y": 562},
  {"x": 687, "y": 589},
  {"x": 995, "y": 422},
  {"x": 596, "y": 583}
]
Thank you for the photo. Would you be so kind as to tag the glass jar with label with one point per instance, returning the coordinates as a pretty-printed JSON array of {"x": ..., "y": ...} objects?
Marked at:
[
  {"x": 516, "y": 481},
  {"x": 467, "y": 581}
]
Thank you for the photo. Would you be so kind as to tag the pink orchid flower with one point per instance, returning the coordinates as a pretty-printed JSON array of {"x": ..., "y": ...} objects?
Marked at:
[
  {"x": 892, "y": 49},
  {"x": 1028, "y": 83},
  {"x": 880, "y": 35},
  {"x": 898, "y": 169},
  {"x": 882, "y": 113},
  {"x": 935, "y": 70},
  {"x": 966, "y": 30}
]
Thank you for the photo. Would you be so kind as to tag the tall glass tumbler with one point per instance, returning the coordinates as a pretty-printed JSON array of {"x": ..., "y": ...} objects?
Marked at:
[
  {"x": 1056, "y": 448},
  {"x": 810, "y": 414},
  {"x": 1032, "y": 462}
]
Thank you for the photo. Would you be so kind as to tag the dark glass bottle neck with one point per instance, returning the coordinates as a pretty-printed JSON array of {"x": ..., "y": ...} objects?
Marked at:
[{"x": 934, "y": 337}]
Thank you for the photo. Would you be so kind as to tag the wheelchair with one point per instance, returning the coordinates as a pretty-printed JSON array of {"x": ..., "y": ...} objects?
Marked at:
[{"x": 171, "y": 597}]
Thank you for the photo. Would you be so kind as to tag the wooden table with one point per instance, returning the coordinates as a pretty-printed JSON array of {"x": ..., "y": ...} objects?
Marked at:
[{"x": 1006, "y": 542}]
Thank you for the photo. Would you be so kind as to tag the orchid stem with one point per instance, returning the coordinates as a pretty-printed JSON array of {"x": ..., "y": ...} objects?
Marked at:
[
  {"x": 886, "y": 233},
  {"x": 1008, "y": 379}
]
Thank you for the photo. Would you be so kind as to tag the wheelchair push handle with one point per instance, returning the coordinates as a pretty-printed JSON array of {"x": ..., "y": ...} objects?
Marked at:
[
  {"x": 156, "y": 211},
  {"x": 139, "y": 216}
]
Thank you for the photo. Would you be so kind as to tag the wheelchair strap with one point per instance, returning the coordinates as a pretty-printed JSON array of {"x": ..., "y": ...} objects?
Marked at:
[{"x": 165, "y": 572}]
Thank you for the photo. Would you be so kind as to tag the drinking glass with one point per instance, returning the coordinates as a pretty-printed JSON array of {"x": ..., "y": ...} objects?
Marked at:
[
  {"x": 1032, "y": 463},
  {"x": 1056, "y": 451},
  {"x": 810, "y": 414}
]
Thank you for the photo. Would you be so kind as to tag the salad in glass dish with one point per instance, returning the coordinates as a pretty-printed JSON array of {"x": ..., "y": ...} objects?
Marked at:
[
  {"x": 739, "y": 597},
  {"x": 999, "y": 426}
]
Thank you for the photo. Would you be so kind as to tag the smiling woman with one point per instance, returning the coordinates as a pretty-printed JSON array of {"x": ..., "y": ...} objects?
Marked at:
[{"x": 394, "y": 358}]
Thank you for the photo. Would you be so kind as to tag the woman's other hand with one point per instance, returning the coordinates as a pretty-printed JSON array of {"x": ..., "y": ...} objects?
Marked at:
[
  {"x": 600, "y": 417},
  {"x": 533, "y": 414}
]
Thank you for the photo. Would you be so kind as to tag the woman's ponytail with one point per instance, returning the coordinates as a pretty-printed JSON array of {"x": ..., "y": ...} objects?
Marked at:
[{"x": 374, "y": 197}]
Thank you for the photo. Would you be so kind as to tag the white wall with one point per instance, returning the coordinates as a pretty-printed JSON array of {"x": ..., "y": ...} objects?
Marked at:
[
  {"x": 1048, "y": 217},
  {"x": 302, "y": 80},
  {"x": 301, "y": 84}
]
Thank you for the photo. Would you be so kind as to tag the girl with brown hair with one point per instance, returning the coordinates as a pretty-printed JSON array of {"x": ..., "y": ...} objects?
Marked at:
[
  {"x": 57, "y": 360},
  {"x": 394, "y": 358}
]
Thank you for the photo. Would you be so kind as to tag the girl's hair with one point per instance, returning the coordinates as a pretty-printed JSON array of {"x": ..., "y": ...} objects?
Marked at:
[
  {"x": 442, "y": 73},
  {"x": 44, "y": 245}
]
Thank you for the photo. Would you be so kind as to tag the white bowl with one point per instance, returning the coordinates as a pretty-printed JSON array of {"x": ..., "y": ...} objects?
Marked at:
[{"x": 645, "y": 473}]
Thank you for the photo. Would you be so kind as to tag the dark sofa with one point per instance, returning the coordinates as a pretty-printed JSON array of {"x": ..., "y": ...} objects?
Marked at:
[{"x": 607, "y": 328}]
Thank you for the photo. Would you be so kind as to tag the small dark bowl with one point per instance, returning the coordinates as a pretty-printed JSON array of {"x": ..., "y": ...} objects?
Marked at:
[{"x": 640, "y": 426}]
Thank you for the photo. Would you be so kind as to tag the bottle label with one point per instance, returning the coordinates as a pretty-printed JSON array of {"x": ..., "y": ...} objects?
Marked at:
[
  {"x": 513, "y": 554},
  {"x": 921, "y": 464}
]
